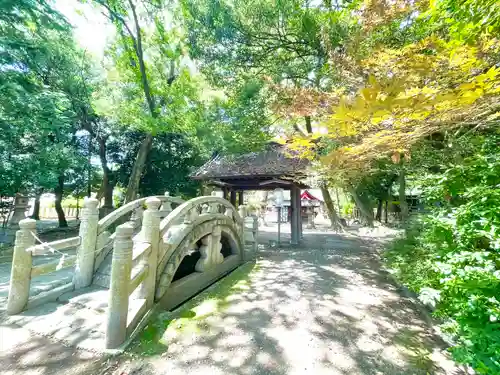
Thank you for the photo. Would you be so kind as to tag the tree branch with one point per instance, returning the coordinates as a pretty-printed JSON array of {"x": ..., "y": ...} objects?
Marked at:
[{"x": 142, "y": 65}]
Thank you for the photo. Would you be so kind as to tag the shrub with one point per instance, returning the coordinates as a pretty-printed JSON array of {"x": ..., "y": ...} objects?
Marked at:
[{"x": 451, "y": 258}]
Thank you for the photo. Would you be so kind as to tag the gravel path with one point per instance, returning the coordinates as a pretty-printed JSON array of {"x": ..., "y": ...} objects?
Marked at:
[{"x": 324, "y": 309}]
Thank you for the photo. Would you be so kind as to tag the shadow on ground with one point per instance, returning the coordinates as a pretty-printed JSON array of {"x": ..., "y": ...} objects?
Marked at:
[
  {"x": 324, "y": 308},
  {"x": 22, "y": 353}
]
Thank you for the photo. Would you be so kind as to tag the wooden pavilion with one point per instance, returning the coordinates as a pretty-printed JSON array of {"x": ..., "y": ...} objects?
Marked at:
[{"x": 274, "y": 167}]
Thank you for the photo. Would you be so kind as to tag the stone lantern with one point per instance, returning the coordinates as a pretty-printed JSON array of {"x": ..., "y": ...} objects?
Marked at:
[{"x": 20, "y": 207}]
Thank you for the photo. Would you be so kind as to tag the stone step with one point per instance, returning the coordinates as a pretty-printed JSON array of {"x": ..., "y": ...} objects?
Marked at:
[
  {"x": 47, "y": 282},
  {"x": 102, "y": 276},
  {"x": 96, "y": 299}
]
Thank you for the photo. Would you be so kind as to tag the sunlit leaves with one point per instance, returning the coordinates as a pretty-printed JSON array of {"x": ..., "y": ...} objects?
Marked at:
[{"x": 422, "y": 88}]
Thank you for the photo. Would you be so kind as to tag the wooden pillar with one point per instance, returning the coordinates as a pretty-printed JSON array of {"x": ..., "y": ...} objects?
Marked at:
[
  {"x": 240, "y": 198},
  {"x": 232, "y": 197},
  {"x": 299, "y": 214},
  {"x": 294, "y": 224}
]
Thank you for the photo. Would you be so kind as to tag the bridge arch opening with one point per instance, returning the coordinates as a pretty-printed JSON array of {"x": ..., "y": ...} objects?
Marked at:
[{"x": 188, "y": 263}]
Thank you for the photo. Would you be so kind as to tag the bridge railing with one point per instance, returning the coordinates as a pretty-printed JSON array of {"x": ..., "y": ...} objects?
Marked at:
[
  {"x": 133, "y": 275},
  {"x": 132, "y": 213},
  {"x": 136, "y": 255},
  {"x": 173, "y": 225},
  {"x": 94, "y": 242},
  {"x": 23, "y": 268}
]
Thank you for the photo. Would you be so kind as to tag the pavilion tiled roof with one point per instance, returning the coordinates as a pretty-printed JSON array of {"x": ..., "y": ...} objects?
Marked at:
[{"x": 274, "y": 161}]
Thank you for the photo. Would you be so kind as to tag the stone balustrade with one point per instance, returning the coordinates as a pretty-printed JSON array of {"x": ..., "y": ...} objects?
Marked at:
[
  {"x": 135, "y": 208},
  {"x": 23, "y": 269},
  {"x": 195, "y": 207},
  {"x": 142, "y": 264},
  {"x": 125, "y": 286},
  {"x": 20, "y": 277}
]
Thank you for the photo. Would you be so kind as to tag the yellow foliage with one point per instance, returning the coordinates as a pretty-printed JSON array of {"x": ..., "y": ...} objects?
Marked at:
[{"x": 412, "y": 92}]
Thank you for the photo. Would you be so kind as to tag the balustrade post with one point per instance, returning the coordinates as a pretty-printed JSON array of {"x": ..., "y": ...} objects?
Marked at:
[
  {"x": 191, "y": 215},
  {"x": 85, "y": 255},
  {"x": 214, "y": 207},
  {"x": 136, "y": 217},
  {"x": 151, "y": 235},
  {"x": 121, "y": 266},
  {"x": 166, "y": 207},
  {"x": 20, "y": 277}
]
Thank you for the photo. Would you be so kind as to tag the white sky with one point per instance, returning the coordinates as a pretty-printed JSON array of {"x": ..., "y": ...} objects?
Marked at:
[{"x": 92, "y": 29}]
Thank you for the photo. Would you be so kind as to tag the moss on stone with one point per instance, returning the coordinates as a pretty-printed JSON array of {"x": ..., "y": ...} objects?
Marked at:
[{"x": 190, "y": 317}]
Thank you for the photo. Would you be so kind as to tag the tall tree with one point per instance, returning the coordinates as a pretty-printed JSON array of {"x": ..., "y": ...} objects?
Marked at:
[
  {"x": 125, "y": 17},
  {"x": 146, "y": 56},
  {"x": 39, "y": 122},
  {"x": 284, "y": 45}
]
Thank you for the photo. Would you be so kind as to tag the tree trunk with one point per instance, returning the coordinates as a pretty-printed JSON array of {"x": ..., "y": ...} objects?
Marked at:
[
  {"x": 378, "y": 216},
  {"x": 36, "y": 207},
  {"x": 145, "y": 148},
  {"x": 386, "y": 211},
  {"x": 308, "y": 125},
  {"x": 330, "y": 208},
  {"x": 364, "y": 208},
  {"x": 107, "y": 183},
  {"x": 138, "y": 168},
  {"x": 58, "y": 192},
  {"x": 338, "y": 199},
  {"x": 108, "y": 193},
  {"x": 100, "y": 193},
  {"x": 403, "y": 205}
]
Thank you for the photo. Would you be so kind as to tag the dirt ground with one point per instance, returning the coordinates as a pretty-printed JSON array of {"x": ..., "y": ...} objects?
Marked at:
[{"x": 324, "y": 308}]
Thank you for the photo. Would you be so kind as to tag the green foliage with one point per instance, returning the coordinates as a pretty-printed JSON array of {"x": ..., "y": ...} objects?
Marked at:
[
  {"x": 452, "y": 257},
  {"x": 169, "y": 163},
  {"x": 465, "y": 19},
  {"x": 37, "y": 109},
  {"x": 282, "y": 40},
  {"x": 347, "y": 209},
  {"x": 237, "y": 123}
]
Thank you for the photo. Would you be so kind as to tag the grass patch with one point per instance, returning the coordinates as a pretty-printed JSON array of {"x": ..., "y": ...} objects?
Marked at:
[
  {"x": 415, "y": 349},
  {"x": 189, "y": 318}
]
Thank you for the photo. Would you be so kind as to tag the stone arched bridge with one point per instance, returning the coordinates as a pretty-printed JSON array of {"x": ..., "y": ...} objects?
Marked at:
[{"x": 154, "y": 252}]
